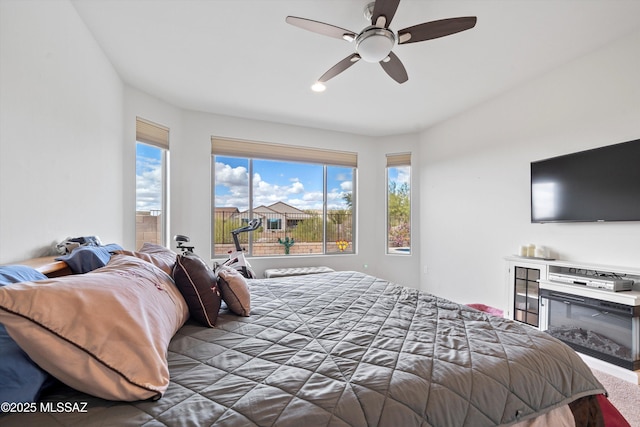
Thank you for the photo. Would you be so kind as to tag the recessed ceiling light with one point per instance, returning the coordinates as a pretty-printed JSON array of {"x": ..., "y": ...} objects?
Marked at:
[{"x": 318, "y": 87}]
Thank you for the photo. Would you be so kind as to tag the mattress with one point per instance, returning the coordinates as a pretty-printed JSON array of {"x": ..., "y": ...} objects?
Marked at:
[{"x": 345, "y": 349}]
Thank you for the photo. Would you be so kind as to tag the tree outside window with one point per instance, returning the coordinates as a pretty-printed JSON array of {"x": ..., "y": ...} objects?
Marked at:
[{"x": 399, "y": 204}]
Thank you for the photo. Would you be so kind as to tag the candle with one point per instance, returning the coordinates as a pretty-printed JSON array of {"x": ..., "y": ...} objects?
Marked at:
[{"x": 531, "y": 250}]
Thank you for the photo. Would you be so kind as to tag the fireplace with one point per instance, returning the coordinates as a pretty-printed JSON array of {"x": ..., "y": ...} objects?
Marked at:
[{"x": 603, "y": 329}]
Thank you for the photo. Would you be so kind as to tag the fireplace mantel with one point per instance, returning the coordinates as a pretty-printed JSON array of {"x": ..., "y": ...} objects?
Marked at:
[
  {"x": 622, "y": 297},
  {"x": 527, "y": 277},
  {"x": 555, "y": 265}
]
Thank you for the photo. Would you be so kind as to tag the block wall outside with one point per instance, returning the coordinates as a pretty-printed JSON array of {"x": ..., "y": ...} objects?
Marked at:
[
  {"x": 148, "y": 229},
  {"x": 276, "y": 249}
]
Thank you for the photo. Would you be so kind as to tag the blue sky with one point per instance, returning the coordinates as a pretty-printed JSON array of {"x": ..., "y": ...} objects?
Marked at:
[{"x": 297, "y": 184}]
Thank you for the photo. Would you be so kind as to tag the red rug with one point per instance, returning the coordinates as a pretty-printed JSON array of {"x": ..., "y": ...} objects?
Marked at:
[{"x": 612, "y": 417}]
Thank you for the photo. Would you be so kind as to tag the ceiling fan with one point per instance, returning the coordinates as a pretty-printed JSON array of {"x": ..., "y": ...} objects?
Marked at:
[{"x": 375, "y": 42}]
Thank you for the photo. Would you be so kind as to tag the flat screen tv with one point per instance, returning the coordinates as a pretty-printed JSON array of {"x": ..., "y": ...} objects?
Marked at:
[{"x": 596, "y": 185}]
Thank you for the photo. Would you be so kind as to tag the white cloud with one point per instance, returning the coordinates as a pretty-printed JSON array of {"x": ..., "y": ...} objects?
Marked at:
[
  {"x": 265, "y": 193},
  {"x": 404, "y": 175},
  {"x": 148, "y": 184},
  {"x": 296, "y": 187},
  {"x": 236, "y": 181}
]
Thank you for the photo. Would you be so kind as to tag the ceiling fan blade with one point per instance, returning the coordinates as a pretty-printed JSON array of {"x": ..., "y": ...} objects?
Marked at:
[
  {"x": 321, "y": 28},
  {"x": 339, "y": 67},
  {"x": 394, "y": 68},
  {"x": 386, "y": 9},
  {"x": 435, "y": 29}
]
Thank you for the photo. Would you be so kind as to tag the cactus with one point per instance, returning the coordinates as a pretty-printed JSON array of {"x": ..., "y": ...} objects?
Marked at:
[{"x": 287, "y": 243}]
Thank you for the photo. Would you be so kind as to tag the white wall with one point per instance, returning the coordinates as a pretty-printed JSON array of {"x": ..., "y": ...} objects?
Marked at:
[
  {"x": 60, "y": 131},
  {"x": 474, "y": 174},
  {"x": 67, "y": 160},
  {"x": 370, "y": 181},
  {"x": 191, "y": 192},
  {"x": 67, "y": 144}
]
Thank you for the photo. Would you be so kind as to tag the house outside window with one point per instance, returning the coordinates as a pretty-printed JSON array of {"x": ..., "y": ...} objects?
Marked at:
[
  {"x": 399, "y": 204},
  {"x": 152, "y": 157},
  {"x": 303, "y": 196}
]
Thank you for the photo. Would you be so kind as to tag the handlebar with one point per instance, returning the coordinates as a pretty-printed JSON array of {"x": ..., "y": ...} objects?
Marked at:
[{"x": 253, "y": 225}]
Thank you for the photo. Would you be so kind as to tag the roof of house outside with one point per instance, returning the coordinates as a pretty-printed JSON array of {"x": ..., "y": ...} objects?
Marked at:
[
  {"x": 277, "y": 208},
  {"x": 227, "y": 209}
]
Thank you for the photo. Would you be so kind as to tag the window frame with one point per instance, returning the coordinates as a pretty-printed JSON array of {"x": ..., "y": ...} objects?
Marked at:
[
  {"x": 155, "y": 135},
  {"x": 397, "y": 160},
  {"x": 251, "y": 150}
]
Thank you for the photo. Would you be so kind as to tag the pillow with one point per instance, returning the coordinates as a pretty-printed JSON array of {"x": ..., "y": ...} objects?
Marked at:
[
  {"x": 199, "y": 287},
  {"x": 105, "y": 333},
  {"x": 157, "y": 255},
  {"x": 21, "y": 379},
  {"x": 234, "y": 291},
  {"x": 87, "y": 258},
  {"x": 18, "y": 273}
]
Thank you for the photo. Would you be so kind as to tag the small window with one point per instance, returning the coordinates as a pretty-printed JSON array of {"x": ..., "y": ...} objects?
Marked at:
[
  {"x": 274, "y": 224},
  {"x": 399, "y": 204},
  {"x": 152, "y": 151}
]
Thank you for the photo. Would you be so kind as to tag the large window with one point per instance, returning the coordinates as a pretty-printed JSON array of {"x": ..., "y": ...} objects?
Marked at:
[
  {"x": 304, "y": 198},
  {"x": 399, "y": 203},
  {"x": 152, "y": 155}
]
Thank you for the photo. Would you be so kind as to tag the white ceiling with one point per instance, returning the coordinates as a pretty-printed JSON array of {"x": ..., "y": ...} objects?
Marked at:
[{"x": 240, "y": 58}]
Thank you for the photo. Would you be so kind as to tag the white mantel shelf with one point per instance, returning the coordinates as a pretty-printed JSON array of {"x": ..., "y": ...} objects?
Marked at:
[
  {"x": 622, "y": 297},
  {"x": 579, "y": 265}
]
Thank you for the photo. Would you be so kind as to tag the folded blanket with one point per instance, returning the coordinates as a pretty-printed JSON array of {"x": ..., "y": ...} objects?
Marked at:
[{"x": 88, "y": 258}]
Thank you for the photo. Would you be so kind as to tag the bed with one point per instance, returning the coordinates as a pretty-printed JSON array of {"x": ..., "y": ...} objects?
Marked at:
[{"x": 331, "y": 349}]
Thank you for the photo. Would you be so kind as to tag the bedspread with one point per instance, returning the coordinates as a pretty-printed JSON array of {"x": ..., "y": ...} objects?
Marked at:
[{"x": 348, "y": 349}]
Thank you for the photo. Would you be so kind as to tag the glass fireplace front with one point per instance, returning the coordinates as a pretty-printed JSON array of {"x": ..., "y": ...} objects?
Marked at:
[{"x": 606, "y": 330}]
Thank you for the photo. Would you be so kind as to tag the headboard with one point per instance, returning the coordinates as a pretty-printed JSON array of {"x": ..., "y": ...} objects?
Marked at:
[{"x": 48, "y": 266}]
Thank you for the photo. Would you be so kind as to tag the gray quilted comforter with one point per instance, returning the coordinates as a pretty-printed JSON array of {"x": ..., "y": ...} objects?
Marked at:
[{"x": 348, "y": 349}]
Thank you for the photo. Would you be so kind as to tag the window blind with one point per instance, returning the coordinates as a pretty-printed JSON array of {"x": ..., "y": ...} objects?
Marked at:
[
  {"x": 400, "y": 159},
  {"x": 270, "y": 151},
  {"x": 152, "y": 133}
]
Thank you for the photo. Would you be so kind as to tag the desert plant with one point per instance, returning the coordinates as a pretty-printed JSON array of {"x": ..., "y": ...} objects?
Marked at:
[{"x": 287, "y": 243}]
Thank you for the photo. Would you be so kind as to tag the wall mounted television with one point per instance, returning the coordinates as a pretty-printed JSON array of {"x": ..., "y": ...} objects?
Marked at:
[{"x": 602, "y": 184}]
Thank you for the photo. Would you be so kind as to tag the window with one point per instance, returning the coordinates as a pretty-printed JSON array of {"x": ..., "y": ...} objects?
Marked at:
[
  {"x": 152, "y": 152},
  {"x": 399, "y": 203},
  {"x": 304, "y": 197},
  {"x": 274, "y": 224}
]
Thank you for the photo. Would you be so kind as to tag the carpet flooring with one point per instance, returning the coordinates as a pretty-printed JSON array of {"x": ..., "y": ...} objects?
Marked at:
[{"x": 624, "y": 395}]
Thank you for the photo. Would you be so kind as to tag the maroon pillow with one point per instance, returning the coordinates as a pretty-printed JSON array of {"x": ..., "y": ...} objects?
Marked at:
[{"x": 199, "y": 287}]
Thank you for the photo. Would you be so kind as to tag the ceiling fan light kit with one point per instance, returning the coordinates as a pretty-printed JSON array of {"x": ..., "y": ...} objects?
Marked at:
[
  {"x": 373, "y": 44},
  {"x": 376, "y": 41}
]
